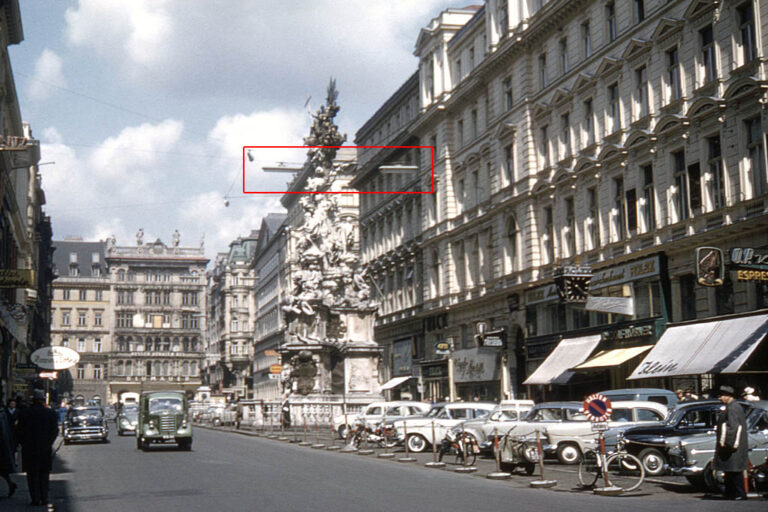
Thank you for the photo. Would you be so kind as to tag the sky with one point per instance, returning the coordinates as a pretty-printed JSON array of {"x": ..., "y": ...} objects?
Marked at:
[{"x": 144, "y": 106}]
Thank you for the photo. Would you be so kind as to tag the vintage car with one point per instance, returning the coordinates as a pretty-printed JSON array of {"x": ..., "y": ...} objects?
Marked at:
[
  {"x": 417, "y": 432},
  {"x": 650, "y": 443},
  {"x": 85, "y": 424},
  {"x": 660, "y": 396},
  {"x": 572, "y": 438},
  {"x": 505, "y": 415},
  {"x": 127, "y": 419},
  {"x": 537, "y": 419},
  {"x": 163, "y": 418},
  {"x": 691, "y": 455},
  {"x": 377, "y": 412}
]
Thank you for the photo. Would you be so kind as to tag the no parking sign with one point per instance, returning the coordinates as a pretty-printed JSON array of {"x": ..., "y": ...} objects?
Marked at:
[{"x": 597, "y": 407}]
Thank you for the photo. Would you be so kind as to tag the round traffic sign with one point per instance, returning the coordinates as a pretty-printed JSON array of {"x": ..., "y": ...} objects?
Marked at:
[{"x": 597, "y": 407}]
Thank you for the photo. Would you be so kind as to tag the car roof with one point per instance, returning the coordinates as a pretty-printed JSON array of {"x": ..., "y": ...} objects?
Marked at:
[
  {"x": 558, "y": 404},
  {"x": 517, "y": 402},
  {"x": 637, "y": 404},
  {"x": 642, "y": 391},
  {"x": 470, "y": 405}
]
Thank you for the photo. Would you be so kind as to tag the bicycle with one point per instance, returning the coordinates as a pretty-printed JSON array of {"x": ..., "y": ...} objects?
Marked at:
[
  {"x": 619, "y": 469},
  {"x": 463, "y": 445}
]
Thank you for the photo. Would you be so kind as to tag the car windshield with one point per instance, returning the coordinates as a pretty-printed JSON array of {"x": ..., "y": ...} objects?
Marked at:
[
  {"x": 85, "y": 413},
  {"x": 131, "y": 415},
  {"x": 164, "y": 404},
  {"x": 434, "y": 412}
]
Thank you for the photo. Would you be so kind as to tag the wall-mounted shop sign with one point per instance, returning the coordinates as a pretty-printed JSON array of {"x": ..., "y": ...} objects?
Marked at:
[
  {"x": 435, "y": 323},
  {"x": 493, "y": 339},
  {"x": 472, "y": 365},
  {"x": 710, "y": 267},
  {"x": 434, "y": 372},
  {"x": 625, "y": 333},
  {"x": 17, "y": 278},
  {"x": 402, "y": 357},
  {"x": 442, "y": 348},
  {"x": 541, "y": 294},
  {"x": 750, "y": 264},
  {"x": 625, "y": 273}
]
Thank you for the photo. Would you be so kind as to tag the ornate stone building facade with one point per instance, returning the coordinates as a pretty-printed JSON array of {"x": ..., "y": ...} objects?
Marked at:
[
  {"x": 618, "y": 134},
  {"x": 158, "y": 315}
]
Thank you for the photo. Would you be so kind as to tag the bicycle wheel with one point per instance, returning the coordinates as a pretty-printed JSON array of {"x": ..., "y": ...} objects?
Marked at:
[
  {"x": 589, "y": 469},
  {"x": 619, "y": 476},
  {"x": 469, "y": 448}
]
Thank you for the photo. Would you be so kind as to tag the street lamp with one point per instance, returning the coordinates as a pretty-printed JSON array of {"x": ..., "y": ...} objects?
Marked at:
[{"x": 451, "y": 382}]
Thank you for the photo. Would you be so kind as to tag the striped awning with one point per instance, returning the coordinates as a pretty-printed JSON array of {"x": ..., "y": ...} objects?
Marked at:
[
  {"x": 556, "y": 368},
  {"x": 615, "y": 357}
]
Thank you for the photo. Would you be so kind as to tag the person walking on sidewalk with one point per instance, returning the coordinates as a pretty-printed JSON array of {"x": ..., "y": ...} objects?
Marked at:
[
  {"x": 731, "y": 447},
  {"x": 36, "y": 431},
  {"x": 7, "y": 458}
]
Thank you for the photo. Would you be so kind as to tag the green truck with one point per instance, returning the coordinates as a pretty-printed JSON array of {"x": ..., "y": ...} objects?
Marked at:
[{"x": 163, "y": 418}]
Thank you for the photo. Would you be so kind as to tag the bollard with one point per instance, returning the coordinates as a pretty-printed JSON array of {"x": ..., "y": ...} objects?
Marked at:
[
  {"x": 386, "y": 454},
  {"x": 272, "y": 434},
  {"x": 434, "y": 463},
  {"x": 407, "y": 457},
  {"x": 348, "y": 448},
  {"x": 365, "y": 450},
  {"x": 317, "y": 445},
  {"x": 282, "y": 427},
  {"x": 542, "y": 483},
  {"x": 304, "y": 426},
  {"x": 464, "y": 469},
  {"x": 498, "y": 474},
  {"x": 332, "y": 447}
]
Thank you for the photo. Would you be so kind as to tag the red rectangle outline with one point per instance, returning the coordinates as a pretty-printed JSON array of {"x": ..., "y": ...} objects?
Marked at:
[{"x": 432, "y": 148}]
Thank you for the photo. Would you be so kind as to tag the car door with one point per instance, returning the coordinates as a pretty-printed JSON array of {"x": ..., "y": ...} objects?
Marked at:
[{"x": 758, "y": 437}]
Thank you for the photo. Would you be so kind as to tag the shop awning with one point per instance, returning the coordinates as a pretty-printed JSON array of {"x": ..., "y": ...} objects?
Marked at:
[
  {"x": 393, "y": 383},
  {"x": 719, "y": 346},
  {"x": 569, "y": 352},
  {"x": 615, "y": 357}
]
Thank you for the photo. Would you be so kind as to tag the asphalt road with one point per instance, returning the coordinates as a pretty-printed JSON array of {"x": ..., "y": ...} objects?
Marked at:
[{"x": 228, "y": 471}]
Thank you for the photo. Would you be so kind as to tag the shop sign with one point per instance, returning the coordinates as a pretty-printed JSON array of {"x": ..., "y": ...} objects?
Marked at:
[
  {"x": 275, "y": 369},
  {"x": 632, "y": 331},
  {"x": 435, "y": 323},
  {"x": 750, "y": 264},
  {"x": 625, "y": 273},
  {"x": 17, "y": 278},
  {"x": 402, "y": 357},
  {"x": 541, "y": 294},
  {"x": 55, "y": 358},
  {"x": 493, "y": 339},
  {"x": 434, "y": 372},
  {"x": 472, "y": 365},
  {"x": 442, "y": 348},
  {"x": 710, "y": 270}
]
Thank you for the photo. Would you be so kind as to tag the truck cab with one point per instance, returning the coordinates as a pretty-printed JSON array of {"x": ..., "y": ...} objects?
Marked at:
[{"x": 163, "y": 418}]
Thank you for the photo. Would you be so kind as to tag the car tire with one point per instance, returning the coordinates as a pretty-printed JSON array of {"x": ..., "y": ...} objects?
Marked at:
[
  {"x": 568, "y": 453},
  {"x": 698, "y": 482},
  {"x": 417, "y": 443},
  {"x": 712, "y": 482},
  {"x": 529, "y": 468},
  {"x": 654, "y": 461}
]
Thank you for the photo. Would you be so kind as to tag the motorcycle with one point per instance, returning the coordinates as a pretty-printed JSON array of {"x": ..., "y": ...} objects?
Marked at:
[
  {"x": 380, "y": 434},
  {"x": 462, "y": 444}
]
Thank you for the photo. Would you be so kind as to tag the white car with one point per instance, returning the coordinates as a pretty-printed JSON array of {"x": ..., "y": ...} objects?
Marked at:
[
  {"x": 444, "y": 417},
  {"x": 570, "y": 439},
  {"x": 378, "y": 411},
  {"x": 503, "y": 417}
]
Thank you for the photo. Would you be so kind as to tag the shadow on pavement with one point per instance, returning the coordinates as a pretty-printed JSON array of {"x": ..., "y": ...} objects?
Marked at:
[{"x": 59, "y": 492}]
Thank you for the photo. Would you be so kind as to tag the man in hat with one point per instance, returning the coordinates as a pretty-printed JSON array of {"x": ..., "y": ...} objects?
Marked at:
[
  {"x": 731, "y": 445},
  {"x": 36, "y": 431}
]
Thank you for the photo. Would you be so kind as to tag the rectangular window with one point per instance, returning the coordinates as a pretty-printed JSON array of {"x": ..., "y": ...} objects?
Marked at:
[
  {"x": 542, "y": 70},
  {"x": 97, "y": 319},
  {"x": 97, "y": 371},
  {"x": 708, "y": 62},
  {"x": 694, "y": 187},
  {"x": 549, "y": 235},
  {"x": 614, "y": 120},
  {"x": 565, "y": 134},
  {"x": 639, "y": 10},
  {"x": 460, "y": 133},
  {"x": 460, "y": 197},
  {"x": 97, "y": 345},
  {"x": 619, "y": 205},
  {"x": 65, "y": 294},
  {"x": 586, "y": 39},
  {"x": 563, "y": 55},
  {"x": 81, "y": 318},
  {"x": 631, "y": 196},
  {"x": 716, "y": 178},
  {"x": 65, "y": 342},
  {"x": 570, "y": 226},
  {"x": 610, "y": 20},
  {"x": 81, "y": 345},
  {"x": 471, "y": 59},
  {"x": 83, "y": 294},
  {"x": 509, "y": 164},
  {"x": 674, "y": 86},
  {"x": 80, "y": 371},
  {"x": 594, "y": 218},
  {"x": 508, "y": 97},
  {"x": 589, "y": 122},
  {"x": 544, "y": 146},
  {"x": 756, "y": 156},
  {"x": 473, "y": 119},
  {"x": 680, "y": 188},
  {"x": 649, "y": 198},
  {"x": 64, "y": 318},
  {"x": 746, "y": 15},
  {"x": 641, "y": 82},
  {"x": 99, "y": 295}
]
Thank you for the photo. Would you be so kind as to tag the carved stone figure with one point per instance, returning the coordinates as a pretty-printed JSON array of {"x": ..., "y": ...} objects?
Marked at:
[
  {"x": 176, "y": 238},
  {"x": 140, "y": 237}
]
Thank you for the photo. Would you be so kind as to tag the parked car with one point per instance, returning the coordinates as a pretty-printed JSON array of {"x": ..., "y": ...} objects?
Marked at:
[
  {"x": 661, "y": 396},
  {"x": 445, "y": 416},
  {"x": 127, "y": 419},
  {"x": 572, "y": 438},
  {"x": 538, "y": 418},
  {"x": 163, "y": 418},
  {"x": 650, "y": 443},
  {"x": 86, "y": 424},
  {"x": 225, "y": 414},
  {"x": 692, "y": 455},
  {"x": 506, "y": 414},
  {"x": 379, "y": 411}
]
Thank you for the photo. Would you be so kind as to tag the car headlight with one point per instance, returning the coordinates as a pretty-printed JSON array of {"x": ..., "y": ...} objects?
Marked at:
[{"x": 457, "y": 430}]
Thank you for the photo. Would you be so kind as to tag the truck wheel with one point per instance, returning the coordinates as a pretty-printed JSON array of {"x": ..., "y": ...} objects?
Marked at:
[
  {"x": 653, "y": 461},
  {"x": 185, "y": 444},
  {"x": 568, "y": 453}
]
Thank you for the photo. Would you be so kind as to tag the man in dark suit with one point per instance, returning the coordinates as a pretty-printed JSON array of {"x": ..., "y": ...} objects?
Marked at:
[
  {"x": 731, "y": 448},
  {"x": 36, "y": 431}
]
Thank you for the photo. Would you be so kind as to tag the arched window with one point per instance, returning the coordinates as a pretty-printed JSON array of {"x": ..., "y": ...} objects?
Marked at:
[
  {"x": 176, "y": 345},
  {"x": 194, "y": 368},
  {"x": 129, "y": 368},
  {"x": 157, "y": 368},
  {"x": 193, "y": 345},
  {"x": 166, "y": 369},
  {"x": 510, "y": 245},
  {"x": 186, "y": 344},
  {"x": 121, "y": 275},
  {"x": 185, "y": 369},
  {"x": 119, "y": 369}
]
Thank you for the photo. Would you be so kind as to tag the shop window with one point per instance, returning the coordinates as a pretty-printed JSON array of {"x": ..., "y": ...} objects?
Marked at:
[
  {"x": 724, "y": 297},
  {"x": 531, "y": 321}
]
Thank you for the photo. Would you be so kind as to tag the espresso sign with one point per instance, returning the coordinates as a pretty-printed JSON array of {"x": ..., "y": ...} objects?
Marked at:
[{"x": 55, "y": 358}]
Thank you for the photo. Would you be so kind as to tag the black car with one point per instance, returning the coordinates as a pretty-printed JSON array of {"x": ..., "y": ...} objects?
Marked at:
[
  {"x": 650, "y": 443},
  {"x": 85, "y": 424}
]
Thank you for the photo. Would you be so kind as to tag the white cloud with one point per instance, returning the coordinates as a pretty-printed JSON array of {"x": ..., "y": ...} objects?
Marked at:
[{"x": 48, "y": 71}]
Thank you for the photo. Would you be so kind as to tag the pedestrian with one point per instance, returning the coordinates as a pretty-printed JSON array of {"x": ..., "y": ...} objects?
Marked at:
[
  {"x": 36, "y": 431},
  {"x": 731, "y": 447},
  {"x": 13, "y": 411},
  {"x": 285, "y": 416},
  {"x": 7, "y": 452},
  {"x": 690, "y": 396},
  {"x": 680, "y": 395}
]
